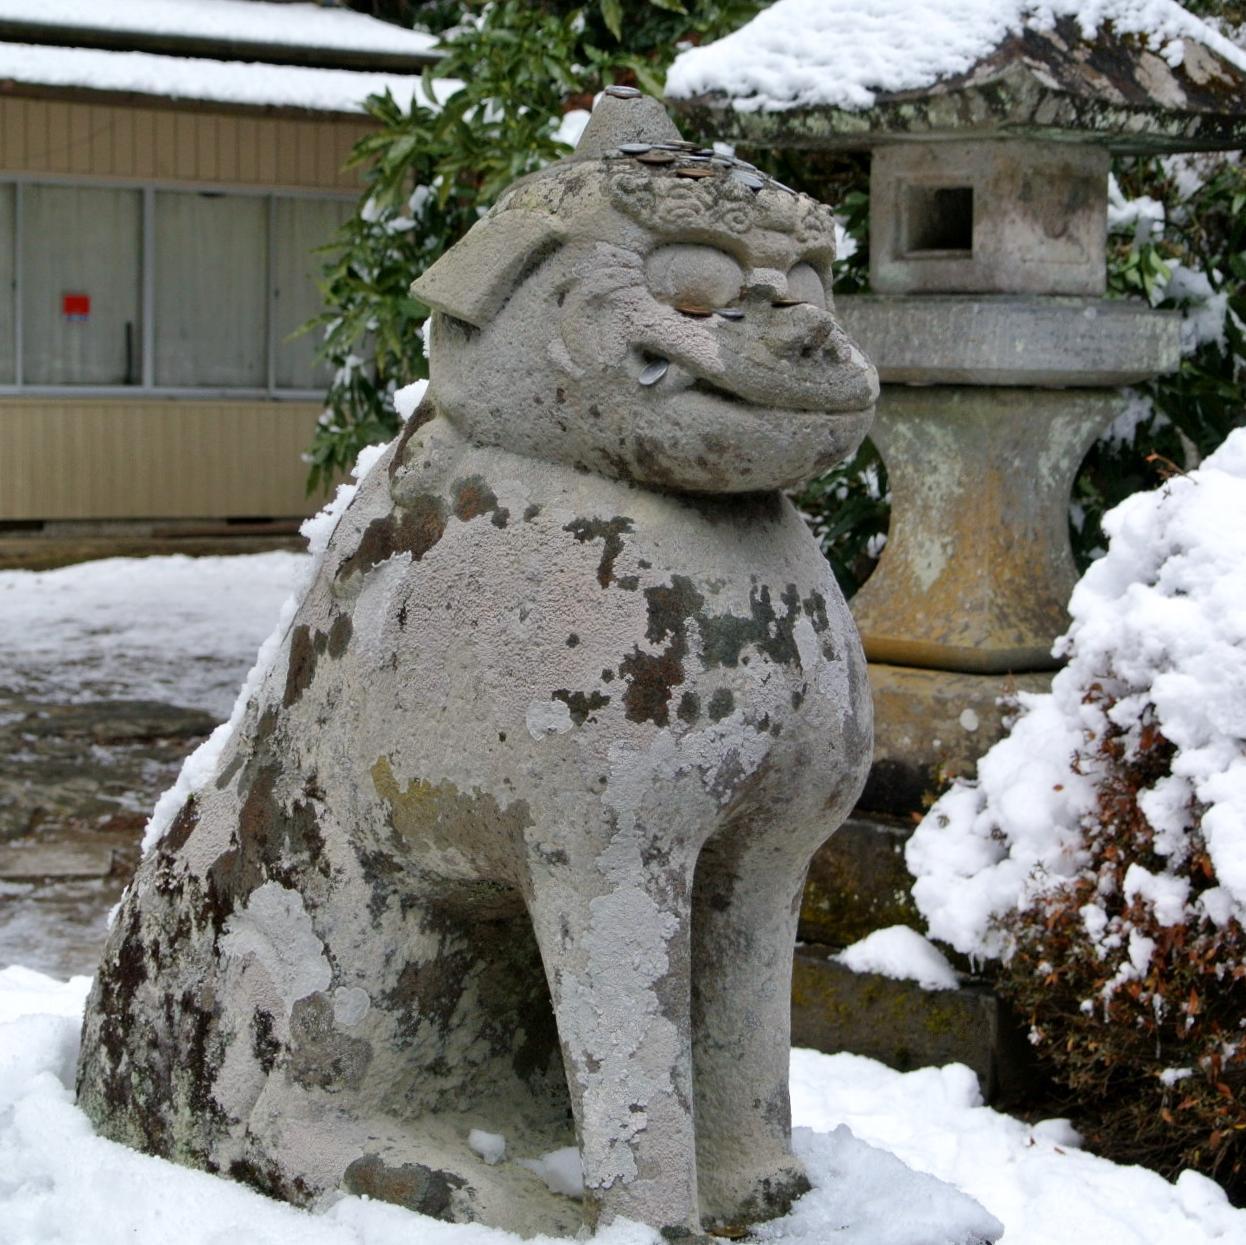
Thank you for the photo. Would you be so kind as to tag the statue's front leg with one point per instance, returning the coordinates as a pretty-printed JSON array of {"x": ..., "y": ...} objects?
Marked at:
[
  {"x": 747, "y": 901},
  {"x": 615, "y": 942}
]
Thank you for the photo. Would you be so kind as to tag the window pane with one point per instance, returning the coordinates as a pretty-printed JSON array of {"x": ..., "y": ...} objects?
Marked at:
[
  {"x": 8, "y": 321},
  {"x": 211, "y": 275},
  {"x": 301, "y": 225},
  {"x": 81, "y": 250}
]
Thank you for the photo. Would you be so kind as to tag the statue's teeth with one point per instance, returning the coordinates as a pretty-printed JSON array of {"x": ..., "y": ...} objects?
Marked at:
[{"x": 654, "y": 372}]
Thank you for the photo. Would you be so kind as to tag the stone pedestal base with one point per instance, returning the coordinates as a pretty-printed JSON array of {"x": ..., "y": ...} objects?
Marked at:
[
  {"x": 977, "y": 568},
  {"x": 931, "y": 726}
]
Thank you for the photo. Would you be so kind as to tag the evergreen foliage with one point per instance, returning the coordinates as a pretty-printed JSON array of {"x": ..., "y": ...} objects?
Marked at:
[
  {"x": 521, "y": 66},
  {"x": 430, "y": 174}
]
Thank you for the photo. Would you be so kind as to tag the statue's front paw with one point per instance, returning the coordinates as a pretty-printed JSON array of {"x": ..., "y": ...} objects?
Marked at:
[{"x": 732, "y": 1205}]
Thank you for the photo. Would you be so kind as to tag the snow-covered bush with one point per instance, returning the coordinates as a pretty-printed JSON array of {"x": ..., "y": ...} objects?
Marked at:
[{"x": 1101, "y": 855}]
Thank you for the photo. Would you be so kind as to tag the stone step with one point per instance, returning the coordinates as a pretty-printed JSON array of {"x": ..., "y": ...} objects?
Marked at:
[
  {"x": 27, "y": 862},
  {"x": 906, "y": 1027},
  {"x": 858, "y": 883}
]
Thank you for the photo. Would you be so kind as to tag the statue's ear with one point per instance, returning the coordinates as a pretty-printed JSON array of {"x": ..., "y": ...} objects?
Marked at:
[{"x": 475, "y": 277}]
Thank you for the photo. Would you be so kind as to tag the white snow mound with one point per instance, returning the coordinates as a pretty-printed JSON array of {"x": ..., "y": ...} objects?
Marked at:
[
  {"x": 1159, "y": 621},
  {"x": 894, "y": 1159},
  {"x": 903, "y": 954}
]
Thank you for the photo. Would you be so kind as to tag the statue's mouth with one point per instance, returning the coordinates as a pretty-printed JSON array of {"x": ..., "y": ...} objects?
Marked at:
[{"x": 843, "y": 387}]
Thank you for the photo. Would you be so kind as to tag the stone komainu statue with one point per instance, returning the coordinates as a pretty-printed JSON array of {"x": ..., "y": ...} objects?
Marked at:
[{"x": 512, "y": 835}]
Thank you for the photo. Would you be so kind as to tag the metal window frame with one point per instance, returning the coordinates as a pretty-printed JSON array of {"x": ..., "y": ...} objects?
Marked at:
[
  {"x": 19, "y": 337},
  {"x": 147, "y": 388}
]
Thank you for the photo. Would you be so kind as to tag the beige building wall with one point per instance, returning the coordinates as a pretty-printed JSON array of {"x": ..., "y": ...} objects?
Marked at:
[
  {"x": 121, "y": 457},
  {"x": 176, "y": 145},
  {"x": 130, "y": 458}
]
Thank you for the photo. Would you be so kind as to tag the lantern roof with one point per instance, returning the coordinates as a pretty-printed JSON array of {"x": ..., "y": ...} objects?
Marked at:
[{"x": 1133, "y": 75}]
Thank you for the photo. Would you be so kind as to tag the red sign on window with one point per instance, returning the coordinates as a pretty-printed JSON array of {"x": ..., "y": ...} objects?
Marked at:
[{"x": 76, "y": 306}]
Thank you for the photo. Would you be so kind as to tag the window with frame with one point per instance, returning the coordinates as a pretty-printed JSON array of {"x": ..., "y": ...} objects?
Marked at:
[
  {"x": 161, "y": 289},
  {"x": 81, "y": 298}
]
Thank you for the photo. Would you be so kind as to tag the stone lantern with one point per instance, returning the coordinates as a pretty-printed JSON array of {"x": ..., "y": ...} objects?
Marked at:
[
  {"x": 1001, "y": 363},
  {"x": 1001, "y": 359}
]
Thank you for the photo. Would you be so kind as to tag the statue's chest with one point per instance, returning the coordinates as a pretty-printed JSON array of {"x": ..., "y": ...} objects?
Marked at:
[
  {"x": 600, "y": 639},
  {"x": 624, "y": 622}
]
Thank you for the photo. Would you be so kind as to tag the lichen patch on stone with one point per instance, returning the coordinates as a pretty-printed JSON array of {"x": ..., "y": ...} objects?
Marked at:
[{"x": 275, "y": 929}]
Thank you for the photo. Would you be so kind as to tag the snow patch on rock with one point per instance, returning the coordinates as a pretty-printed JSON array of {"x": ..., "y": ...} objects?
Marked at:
[{"x": 903, "y": 954}]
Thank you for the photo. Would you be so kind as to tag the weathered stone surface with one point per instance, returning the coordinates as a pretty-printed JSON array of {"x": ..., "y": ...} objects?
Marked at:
[
  {"x": 931, "y": 726},
  {"x": 906, "y": 1027},
  {"x": 512, "y": 834},
  {"x": 988, "y": 217},
  {"x": 932, "y": 339},
  {"x": 977, "y": 568},
  {"x": 1045, "y": 84},
  {"x": 858, "y": 883}
]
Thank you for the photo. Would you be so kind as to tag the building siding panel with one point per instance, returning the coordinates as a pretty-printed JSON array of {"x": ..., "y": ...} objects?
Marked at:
[
  {"x": 123, "y": 459},
  {"x": 196, "y": 145}
]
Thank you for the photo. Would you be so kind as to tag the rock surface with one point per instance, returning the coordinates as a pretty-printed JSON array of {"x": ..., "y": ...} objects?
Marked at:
[{"x": 76, "y": 785}]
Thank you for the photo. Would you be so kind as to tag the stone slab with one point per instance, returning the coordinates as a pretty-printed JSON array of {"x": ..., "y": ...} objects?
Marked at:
[
  {"x": 953, "y": 339},
  {"x": 57, "y": 927},
  {"x": 858, "y": 883},
  {"x": 906, "y": 1027},
  {"x": 89, "y": 767},
  {"x": 931, "y": 726},
  {"x": 30, "y": 861}
]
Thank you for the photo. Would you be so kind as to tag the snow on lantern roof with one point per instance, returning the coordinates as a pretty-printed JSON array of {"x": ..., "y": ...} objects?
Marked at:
[
  {"x": 301, "y": 33},
  {"x": 1138, "y": 75}
]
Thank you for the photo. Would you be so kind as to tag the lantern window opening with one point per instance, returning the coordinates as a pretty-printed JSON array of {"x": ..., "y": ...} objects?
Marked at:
[{"x": 936, "y": 220}]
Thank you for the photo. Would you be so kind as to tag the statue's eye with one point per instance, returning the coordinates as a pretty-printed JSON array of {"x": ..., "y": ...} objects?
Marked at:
[
  {"x": 695, "y": 276},
  {"x": 803, "y": 283}
]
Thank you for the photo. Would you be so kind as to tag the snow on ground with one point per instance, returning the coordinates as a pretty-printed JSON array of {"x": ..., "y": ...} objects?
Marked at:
[
  {"x": 222, "y": 82},
  {"x": 871, "y": 1138},
  {"x": 1159, "y": 621},
  {"x": 841, "y": 53},
  {"x": 175, "y": 629},
  {"x": 238, "y": 21}
]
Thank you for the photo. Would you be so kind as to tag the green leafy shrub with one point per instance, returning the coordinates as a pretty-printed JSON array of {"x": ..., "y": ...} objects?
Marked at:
[
  {"x": 1185, "y": 250},
  {"x": 429, "y": 174},
  {"x": 510, "y": 72}
]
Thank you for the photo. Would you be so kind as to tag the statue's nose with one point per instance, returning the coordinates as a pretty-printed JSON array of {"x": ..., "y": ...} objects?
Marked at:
[
  {"x": 766, "y": 285},
  {"x": 802, "y": 331}
]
